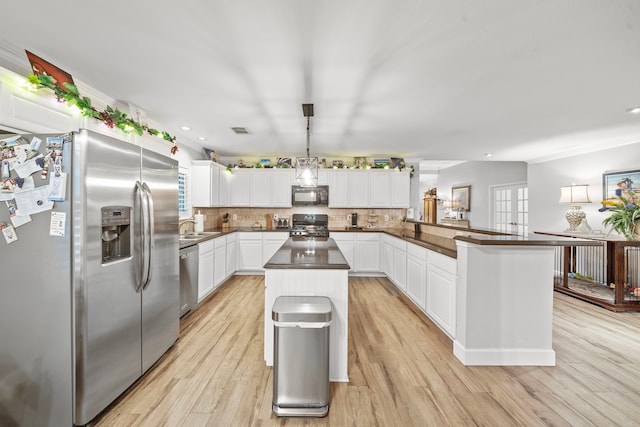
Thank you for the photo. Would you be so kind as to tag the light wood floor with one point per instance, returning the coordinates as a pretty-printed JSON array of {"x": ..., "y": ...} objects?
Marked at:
[{"x": 402, "y": 370}]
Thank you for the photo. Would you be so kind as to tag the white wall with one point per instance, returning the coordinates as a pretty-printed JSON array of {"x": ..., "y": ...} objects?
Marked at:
[
  {"x": 480, "y": 176},
  {"x": 545, "y": 180}
]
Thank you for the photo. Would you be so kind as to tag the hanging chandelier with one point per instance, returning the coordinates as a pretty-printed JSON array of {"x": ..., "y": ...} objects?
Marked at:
[{"x": 307, "y": 167}]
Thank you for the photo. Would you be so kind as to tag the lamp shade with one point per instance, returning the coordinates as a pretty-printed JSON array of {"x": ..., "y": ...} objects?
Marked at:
[{"x": 574, "y": 194}]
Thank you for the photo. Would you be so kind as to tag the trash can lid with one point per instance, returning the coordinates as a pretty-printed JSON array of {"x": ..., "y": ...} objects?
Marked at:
[{"x": 302, "y": 309}]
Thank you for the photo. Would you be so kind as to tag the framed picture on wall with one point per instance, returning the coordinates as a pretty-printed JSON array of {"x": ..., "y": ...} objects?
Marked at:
[
  {"x": 625, "y": 184},
  {"x": 461, "y": 196}
]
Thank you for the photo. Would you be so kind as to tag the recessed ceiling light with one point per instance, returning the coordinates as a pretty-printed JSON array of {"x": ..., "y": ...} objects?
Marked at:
[
  {"x": 202, "y": 138},
  {"x": 634, "y": 110},
  {"x": 185, "y": 128},
  {"x": 240, "y": 131},
  {"x": 488, "y": 154}
]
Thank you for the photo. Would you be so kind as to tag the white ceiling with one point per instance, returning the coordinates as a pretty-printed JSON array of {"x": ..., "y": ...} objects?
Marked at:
[{"x": 434, "y": 79}]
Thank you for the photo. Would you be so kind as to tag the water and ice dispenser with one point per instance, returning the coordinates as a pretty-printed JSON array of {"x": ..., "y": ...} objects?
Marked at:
[{"x": 116, "y": 233}]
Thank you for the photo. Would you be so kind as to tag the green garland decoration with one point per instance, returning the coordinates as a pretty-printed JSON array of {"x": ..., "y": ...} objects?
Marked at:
[{"x": 112, "y": 117}]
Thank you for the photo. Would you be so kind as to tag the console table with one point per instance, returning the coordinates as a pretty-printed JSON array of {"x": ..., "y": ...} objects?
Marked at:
[{"x": 617, "y": 261}]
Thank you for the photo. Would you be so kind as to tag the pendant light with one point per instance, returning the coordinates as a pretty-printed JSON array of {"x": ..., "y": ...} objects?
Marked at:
[{"x": 307, "y": 167}]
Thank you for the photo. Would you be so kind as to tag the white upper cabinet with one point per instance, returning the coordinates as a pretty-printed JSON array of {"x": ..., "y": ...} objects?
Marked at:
[
  {"x": 261, "y": 187},
  {"x": 241, "y": 187},
  {"x": 201, "y": 183},
  {"x": 338, "y": 189},
  {"x": 379, "y": 188},
  {"x": 206, "y": 183},
  {"x": 368, "y": 188},
  {"x": 36, "y": 112},
  {"x": 358, "y": 188},
  {"x": 400, "y": 194},
  {"x": 281, "y": 187}
]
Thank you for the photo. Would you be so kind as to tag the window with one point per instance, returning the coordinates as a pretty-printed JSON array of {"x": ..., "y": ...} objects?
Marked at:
[{"x": 184, "y": 199}]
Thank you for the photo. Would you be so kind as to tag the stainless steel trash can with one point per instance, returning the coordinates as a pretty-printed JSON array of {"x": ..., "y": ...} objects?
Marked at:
[{"x": 301, "y": 356}]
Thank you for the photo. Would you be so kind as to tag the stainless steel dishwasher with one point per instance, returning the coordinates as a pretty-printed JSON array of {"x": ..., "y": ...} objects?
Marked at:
[{"x": 188, "y": 278}]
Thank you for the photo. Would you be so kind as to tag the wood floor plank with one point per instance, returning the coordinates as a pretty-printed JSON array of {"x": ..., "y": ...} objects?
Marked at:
[{"x": 401, "y": 367}]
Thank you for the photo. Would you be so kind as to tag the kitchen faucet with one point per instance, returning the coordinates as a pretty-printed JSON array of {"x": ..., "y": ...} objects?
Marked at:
[{"x": 184, "y": 221}]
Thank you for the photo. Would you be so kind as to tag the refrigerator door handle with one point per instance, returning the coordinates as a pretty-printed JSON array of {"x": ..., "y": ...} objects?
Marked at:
[
  {"x": 143, "y": 236},
  {"x": 150, "y": 233}
]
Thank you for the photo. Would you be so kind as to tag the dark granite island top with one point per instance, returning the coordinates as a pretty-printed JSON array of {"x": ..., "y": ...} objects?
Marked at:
[{"x": 302, "y": 253}]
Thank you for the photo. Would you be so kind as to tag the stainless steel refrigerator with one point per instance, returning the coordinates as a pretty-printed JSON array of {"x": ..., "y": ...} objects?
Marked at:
[{"x": 90, "y": 290}]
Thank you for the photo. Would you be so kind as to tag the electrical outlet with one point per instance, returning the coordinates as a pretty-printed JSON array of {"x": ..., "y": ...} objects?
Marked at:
[
  {"x": 386, "y": 218},
  {"x": 235, "y": 217}
]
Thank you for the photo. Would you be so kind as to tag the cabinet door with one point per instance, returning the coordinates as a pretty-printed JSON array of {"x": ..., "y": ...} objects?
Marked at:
[
  {"x": 400, "y": 268},
  {"x": 366, "y": 252},
  {"x": 338, "y": 189},
  {"x": 205, "y": 269},
  {"x": 261, "y": 187},
  {"x": 224, "y": 187},
  {"x": 400, "y": 194},
  {"x": 323, "y": 177},
  {"x": 201, "y": 183},
  {"x": 379, "y": 188},
  {"x": 250, "y": 252},
  {"x": 22, "y": 109},
  {"x": 358, "y": 182},
  {"x": 271, "y": 242},
  {"x": 220, "y": 262},
  {"x": 215, "y": 186},
  {"x": 241, "y": 188},
  {"x": 387, "y": 259},
  {"x": 441, "y": 291},
  {"x": 232, "y": 246},
  {"x": 281, "y": 188},
  {"x": 345, "y": 244},
  {"x": 417, "y": 274}
]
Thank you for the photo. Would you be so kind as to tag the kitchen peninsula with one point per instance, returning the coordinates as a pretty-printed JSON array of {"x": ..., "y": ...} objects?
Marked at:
[{"x": 314, "y": 267}]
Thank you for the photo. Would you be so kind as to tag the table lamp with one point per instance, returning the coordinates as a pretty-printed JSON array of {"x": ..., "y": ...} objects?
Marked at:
[{"x": 575, "y": 194}]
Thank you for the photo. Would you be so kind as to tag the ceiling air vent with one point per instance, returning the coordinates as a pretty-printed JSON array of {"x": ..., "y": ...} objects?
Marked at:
[{"x": 240, "y": 131}]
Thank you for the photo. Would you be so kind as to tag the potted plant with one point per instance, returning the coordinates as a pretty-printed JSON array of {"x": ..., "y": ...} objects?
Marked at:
[{"x": 624, "y": 218}]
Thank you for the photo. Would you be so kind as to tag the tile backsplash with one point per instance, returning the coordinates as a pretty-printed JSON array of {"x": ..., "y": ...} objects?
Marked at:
[{"x": 338, "y": 218}]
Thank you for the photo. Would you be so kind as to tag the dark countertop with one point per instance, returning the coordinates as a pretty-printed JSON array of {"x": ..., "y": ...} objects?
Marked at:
[
  {"x": 529, "y": 240},
  {"x": 443, "y": 245},
  {"x": 299, "y": 253},
  {"x": 440, "y": 244}
]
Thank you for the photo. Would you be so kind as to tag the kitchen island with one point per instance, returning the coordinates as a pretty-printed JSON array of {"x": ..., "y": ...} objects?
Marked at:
[{"x": 313, "y": 267}]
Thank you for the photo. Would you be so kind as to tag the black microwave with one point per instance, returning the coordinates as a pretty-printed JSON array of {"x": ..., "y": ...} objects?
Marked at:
[{"x": 310, "y": 196}]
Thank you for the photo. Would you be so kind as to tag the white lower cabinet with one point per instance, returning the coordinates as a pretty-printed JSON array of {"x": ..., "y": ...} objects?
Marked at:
[
  {"x": 232, "y": 250},
  {"x": 417, "y": 274},
  {"x": 386, "y": 255},
  {"x": 345, "y": 244},
  {"x": 393, "y": 261},
  {"x": 205, "y": 268},
  {"x": 249, "y": 255},
  {"x": 366, "y": 252},
  {"x": 441, "y": 291},
  {"x": 271, "y": 242},
  {"x": 220, "y": 262}
]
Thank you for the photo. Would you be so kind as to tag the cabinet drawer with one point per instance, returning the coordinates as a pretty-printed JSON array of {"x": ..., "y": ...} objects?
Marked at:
[
  {"x": 220, "y": 242},
  {"x": 417, "y": 251},
  {"x": 443, "y": 262},
  {"x": 368, "y": 237}
]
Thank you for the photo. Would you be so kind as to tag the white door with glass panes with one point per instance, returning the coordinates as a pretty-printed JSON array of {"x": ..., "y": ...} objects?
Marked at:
[{"x": 510, "y": 208}]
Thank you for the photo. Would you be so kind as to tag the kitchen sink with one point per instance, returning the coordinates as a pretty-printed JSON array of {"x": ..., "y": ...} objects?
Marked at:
[{"x": 198, "y": 235}]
